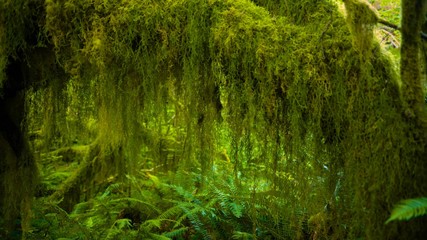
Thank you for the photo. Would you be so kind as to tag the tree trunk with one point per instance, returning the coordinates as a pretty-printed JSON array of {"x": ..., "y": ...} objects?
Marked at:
[
  {"x": 413, "y": 16},
  {"x": 18, "y": 170}
]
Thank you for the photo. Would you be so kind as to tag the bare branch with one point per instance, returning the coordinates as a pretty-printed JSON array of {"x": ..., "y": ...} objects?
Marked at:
[{"x": 388, "y": 24}]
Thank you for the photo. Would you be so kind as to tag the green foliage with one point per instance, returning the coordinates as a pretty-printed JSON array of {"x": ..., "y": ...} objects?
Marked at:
[
  {"x": 51, "y": 222},
  {"x": 388, "y": 9},
  {"x": 218, "y": 119},
  {"x": 242, "y": 235},
  {"x": 176, "y": 234},
  {"x": 109, "y": 215},
  {"x": 408, "y": 209},
  {"x": 217, "y": 212}
]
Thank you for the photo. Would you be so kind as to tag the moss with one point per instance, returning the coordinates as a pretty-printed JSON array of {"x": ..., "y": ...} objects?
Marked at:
[
  {"x": 412, "y": 20},
  {"x": 361, "y": 17},
  {"x": 310, "y": 81},
  {"x": 18, "y": 175},
  {"x": 19, "y": 31},
  {"x": 299, "y": 87}
]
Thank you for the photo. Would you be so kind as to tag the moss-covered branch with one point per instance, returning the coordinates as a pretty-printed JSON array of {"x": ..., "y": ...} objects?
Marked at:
[{"x": 82, "y": 175}]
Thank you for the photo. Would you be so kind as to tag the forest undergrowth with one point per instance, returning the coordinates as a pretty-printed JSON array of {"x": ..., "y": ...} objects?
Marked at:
[{"x": 148, "y": 205}]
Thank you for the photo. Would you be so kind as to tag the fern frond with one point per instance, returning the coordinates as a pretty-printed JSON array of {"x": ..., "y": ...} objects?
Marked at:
[
  {"x": 149, "y": 224},
  {"x": 198, "y": 224},
  {"x": 123, "y": 223},
  {"x": 176, "y": 233},
  {"x": 236, "y": 209},
  {"x": 242, "y": 235},
  {"x": 135, "y": 200},
  {"x": 409, "y": 209},
  {"x": 227, "y": 202},
  {"x": 158, "y": 237},
  {"x": 187, "y": 195},
  {"x": 81, "y": 208},
  {"x": 171, "y": 212},
  {"x": 195, "y": 209},
  {"x": 109, "y": 190},
  {"x": 113, "y": 233}
]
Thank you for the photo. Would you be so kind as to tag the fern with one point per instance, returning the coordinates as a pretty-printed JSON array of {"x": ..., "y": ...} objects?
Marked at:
[
  {"x": 242, "y": 235},
  {"x": 190, "y": 212},
  {"x": 82, "y": 208},
  {"x": 154, "y": 236},
  {"x": 236, "y": 209},
  {"x": 171, "y": 212},
  {"x": 409, "y": 209},
  {"x": 123, "y": 224},
  {"x": 150, "y": 224},
  {"x": 109, "y": 190},
  {"x": 187, "y": 195},
  {"x": 227, "y": 202},
  {"x": 134, "y": 200},
  {"x": 176, "y": 233}
]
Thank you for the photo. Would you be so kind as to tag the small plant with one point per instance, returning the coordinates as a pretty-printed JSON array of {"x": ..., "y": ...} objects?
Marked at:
[{"x": 408, "y": 209}]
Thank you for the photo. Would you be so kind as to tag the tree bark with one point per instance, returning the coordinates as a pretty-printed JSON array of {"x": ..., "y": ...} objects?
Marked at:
[
  {"x": 413, "y": 14},
  {"x": 18, "y": 170}
]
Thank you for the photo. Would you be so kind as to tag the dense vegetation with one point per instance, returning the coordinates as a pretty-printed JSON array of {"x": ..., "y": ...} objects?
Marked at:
[{"x": 212, "y": 119}]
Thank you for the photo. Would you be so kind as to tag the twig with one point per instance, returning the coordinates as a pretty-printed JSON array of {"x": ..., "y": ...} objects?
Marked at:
[
  {"x": 388, "y": 24},
  {"x": 393, "y": 41}
]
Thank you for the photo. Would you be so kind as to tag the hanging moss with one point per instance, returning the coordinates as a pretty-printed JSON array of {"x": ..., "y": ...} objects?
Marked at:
[
  {"x": 299, "y": 87},
  {"x": 361, "y": 18},
  {"x": 18, "y": 30}
]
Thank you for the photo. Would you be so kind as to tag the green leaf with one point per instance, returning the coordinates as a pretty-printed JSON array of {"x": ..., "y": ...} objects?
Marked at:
[
  {"x": 123, "y": 223},
  {"x": 236, "y": 209},
  {"x": 89, "y": 222},
  {"x": 242, "y": 235},
  {"x": 176, "y": 233},
  {"x": 154, "y": 223},
  {"x": 409, "y": 209}
]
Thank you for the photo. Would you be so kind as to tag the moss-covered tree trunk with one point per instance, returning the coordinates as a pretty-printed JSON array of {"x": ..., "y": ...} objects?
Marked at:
[
  {"x": 18, "y": 171},
  {"x": 413, "y": 16},
  {"x": 19, "y": 28},
  {"x": 415, "y": 115}
]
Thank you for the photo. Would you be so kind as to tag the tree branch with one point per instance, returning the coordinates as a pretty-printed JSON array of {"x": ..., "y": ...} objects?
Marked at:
[{"x": 388, "y": 24}]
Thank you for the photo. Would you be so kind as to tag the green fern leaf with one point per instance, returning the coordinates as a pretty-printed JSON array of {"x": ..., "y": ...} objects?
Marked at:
[
  {"x": 89, "y": 222},
  {"x": 153, "y": 223},
  {"x": 81, "y": 208},
  {"x": 409, "y": 209},
  {"x": 242, "y": 235},
  {"x": 135, "y": 200},
  {"x": 171, "y": 213},
  {"x": 154, "y": 236},
  {"x": 236, "y": 209},
  {"x": 176, "y": 233},
  {"x": 109, "y": 190},
  {"x": 123, "y": 223}
]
